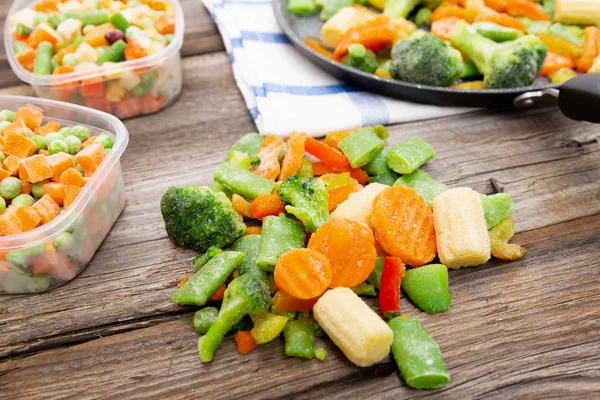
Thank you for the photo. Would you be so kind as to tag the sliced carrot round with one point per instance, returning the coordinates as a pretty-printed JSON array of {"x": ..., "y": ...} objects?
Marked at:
[
  {"x": 350, "y": 248},
  {"x": 266, "y": 205},
  {"x": 303, "y": 273},
  {"x": 403, "y": 225},
  {"x": 294, "y": 153}
]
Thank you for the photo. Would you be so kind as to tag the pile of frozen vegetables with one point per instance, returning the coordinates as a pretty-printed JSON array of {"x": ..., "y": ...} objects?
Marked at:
[
  {"x": 465, "y": 44},
  {"x": 293, "y": 234}
]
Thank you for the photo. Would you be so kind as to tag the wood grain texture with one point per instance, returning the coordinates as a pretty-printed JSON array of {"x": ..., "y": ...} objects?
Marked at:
[
  {"x": 523, "y": 329},
  {"x": 201, "y": 36}
]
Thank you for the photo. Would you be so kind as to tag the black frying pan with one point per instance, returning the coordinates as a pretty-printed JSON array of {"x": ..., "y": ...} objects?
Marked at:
[{"x": 578, "y": 98}]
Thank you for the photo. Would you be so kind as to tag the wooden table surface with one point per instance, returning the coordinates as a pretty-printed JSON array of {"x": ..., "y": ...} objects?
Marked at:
[{"x": 527, "y": 329}]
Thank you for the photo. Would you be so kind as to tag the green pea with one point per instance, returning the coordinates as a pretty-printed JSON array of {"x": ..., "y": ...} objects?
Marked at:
[
  {"x": 65, "y": 239},
  {"x": 52, "y": 136},
  {"x": 65, "y": 131},
  {"x": 23, "y": 200},
  {"x": 37, "y": 189},
  {"x": 2, "y": 157},
  {"x": 81, "y": 132},
  {"x": 7, "y": 115},
  {"x": 76, "y": 40},
  {"x": 40, "y": 141},
  {"x": 70, "y": 59},
  {"x": 2, "y": 205},
  {"x": 140, "y": 90},
  {"x": 58, "y": 146},
  {"x": 10, "y": 187},
  {"x": 86, "y": 29},
  {"x": 74, "y": 144},
  {"x": 3, "y": 125},
  {"x": 105, "y": 141}
]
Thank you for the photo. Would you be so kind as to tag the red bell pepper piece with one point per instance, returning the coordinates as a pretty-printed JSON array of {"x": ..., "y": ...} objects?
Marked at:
[{"x": 389, "y": 290}]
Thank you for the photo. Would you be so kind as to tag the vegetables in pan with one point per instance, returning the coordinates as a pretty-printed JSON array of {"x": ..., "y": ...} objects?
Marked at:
[
  {"x": 315, "y": 244},
  {"x": 510, "y": 42}
]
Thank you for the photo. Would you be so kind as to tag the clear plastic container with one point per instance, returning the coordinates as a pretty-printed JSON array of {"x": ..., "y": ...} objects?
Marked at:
[
  {"x": 56, "y": 252},
  {"x": 102, "y": 89}
]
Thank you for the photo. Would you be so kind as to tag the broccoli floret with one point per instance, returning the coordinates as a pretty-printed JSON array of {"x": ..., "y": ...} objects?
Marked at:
[
  {"x": 504, "y": 65},
  {"x": 198, "y": 218},
  {"x": 360, "y": 58},
  {"x": 426, "y": 60},
  {"x": 308, "y": 200},
  {"x": 244, "y": 295},
  {"x": 400, "y": 8}
]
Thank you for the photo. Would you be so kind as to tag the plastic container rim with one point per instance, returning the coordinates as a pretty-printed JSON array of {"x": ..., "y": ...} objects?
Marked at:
[
  {"x": 48, "y": 80},
  {"x": 46, "y": 232}
]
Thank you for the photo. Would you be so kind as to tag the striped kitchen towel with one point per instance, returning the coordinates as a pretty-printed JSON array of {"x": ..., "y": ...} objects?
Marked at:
[{"x": 285, "y": 92}]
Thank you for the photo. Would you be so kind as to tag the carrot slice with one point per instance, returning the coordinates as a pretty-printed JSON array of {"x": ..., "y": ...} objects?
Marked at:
[
  {"x": 253, "y": 230},
  {"x": 350, "y": 248},
  {"x": 443, "y": 27},
  {"x": 501, "y": 19},
  {"x": 524, "y": 8},
  {"x": 591, "y": 43},
  {"x": 403, "y": 225},
  {"x": 267, "y": 204},
  {"x": 554, "y": 61},
  {"x": 218, "y": 294},
  {"x": 374, "y": 34},
  {"x": 314, "y": 44},
  {"x": 245, "y": 342},
  {"x": 269, "y": 158},
  {"x": 333, "y": 138},
  {"x": 497, "y": 5},
  {"x": 286, "y": 303},
  {"x": 241, "y": 205},
  {"x": 330, "y": 156},
  {"x": 338, "y": 195},
  {"x": 320, "y": 168},
  {"x": 303, "y": 273},
  {"x": 294, "y": 153},
  {"x": 447, "y": 10}
]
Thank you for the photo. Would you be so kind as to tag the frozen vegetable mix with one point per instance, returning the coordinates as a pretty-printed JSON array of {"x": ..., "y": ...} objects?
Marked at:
[{"x": 312, "y": 249}]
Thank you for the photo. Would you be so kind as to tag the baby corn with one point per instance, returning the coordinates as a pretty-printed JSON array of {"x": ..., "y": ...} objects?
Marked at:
[
  {"x": 353, "y": 326},
  {"x": 461, "y": 230},
  {"x": 581, "y": 12}
]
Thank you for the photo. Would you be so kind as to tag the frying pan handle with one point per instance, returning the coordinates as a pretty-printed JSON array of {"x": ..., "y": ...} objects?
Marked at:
[{"x": 579, "y": 98}]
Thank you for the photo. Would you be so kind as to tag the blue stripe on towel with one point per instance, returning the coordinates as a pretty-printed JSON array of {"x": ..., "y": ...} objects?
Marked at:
[
  {"x": 254, "y": 113},
  {"x": 372, "y": 109},
  {"x": 262, "y": 91},
  {"x": 265, "y": 37},
  {"x": 243, "y": 2}
]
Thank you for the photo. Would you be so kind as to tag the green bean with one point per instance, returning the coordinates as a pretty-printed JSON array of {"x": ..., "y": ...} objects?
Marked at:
[
  {"x": 217, "y": 187},
  {"x": 203, "y": 259},
  {"x": 197, "y": 290},
  {"x": 23, "y": 30},
  {"x": 375, "y": 277},
  {"x": 250, "y": 245},
  {"x": 496, "y": 207},
  {"x": 299, "y": 337},
  {"x": 279, "y": 235},
  {"x": 427, "y": 287},
  {"x": 302, "y": 7},
  {"x": 423, "y": 184},
  {"x": 204, "y": 319},
  {"x": 120, "y": 22},
  {"x": 365, "y": 289},
  {"x": 417, "y": 354},
  {"x": 379, "y": 165},
  {"x": 306, "y": 170},
  {"x": 249, "y": 143},
  {"x": 385, "y": 179},
  {"x": 242, "y": 182},
  {"x": 115, "y": 53},
  {"x": 239, "y": 159},
  {"x": 93, "y": 17},
  {"x": 43, "y": 57},
  {"x": 290, "y": 315},
  {"x": 19, "y": 47},
  {"x": 406, "y": 157},
  {"x": 497, "y": 33},
  {"x": 361, "y": 147},
  {"x": 423, "y": 17},
  {"x": 381, "y": 131}
]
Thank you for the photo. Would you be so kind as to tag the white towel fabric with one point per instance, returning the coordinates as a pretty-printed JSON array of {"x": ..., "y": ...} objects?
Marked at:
[{"x": 285, "y": 92}]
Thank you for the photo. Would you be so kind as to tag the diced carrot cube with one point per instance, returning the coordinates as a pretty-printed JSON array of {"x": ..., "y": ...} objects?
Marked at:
[
  {"x": 43, "y": 33},
  {"x": 50, "y": 127},
  {"x": 56, "y": 190},
  {"x": 11, "y": 164},
  {"x": 46, "y": 6},
  {"x": 18, "y": 145},
  {"x": 71, "y": 193},
  {"x": 72, "y": 177},
  {"x": 17, "y": 126},
  {"x": 32, "y": 118},
  {"x": 88, "y": 142},
  {"x": 35, "y": 169},
  {"x": 91, "y": 157},
  {"x": 59, "y": 163},
  {"x": 4, "y": 174},
  {"x": 26, "y": 58},
  {"x": 25, "y": 187},
  {"x": 44, "y": 152},
  {"x": 21, "y": 219},
  {"x": 3, "y": 227},
  {"x": 47, "y": 208}
]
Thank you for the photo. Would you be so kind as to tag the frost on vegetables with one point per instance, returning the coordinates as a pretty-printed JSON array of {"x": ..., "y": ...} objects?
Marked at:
[
  {"x": 55, "y": 42},
  {"x": 321, "y": 234},
  {"x": 472, "y": 45}
]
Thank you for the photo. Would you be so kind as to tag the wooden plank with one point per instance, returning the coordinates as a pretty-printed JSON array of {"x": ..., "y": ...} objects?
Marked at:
[
  {"x": 527, "y": 152},
  {"x": 201, "y": 36},
  {"x": 514, "y": 330}
]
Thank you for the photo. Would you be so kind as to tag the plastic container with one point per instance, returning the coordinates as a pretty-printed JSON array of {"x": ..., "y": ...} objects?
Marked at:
[
  {"x": 90, "y": 88},
  {"x": 56, "y": 252}
]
